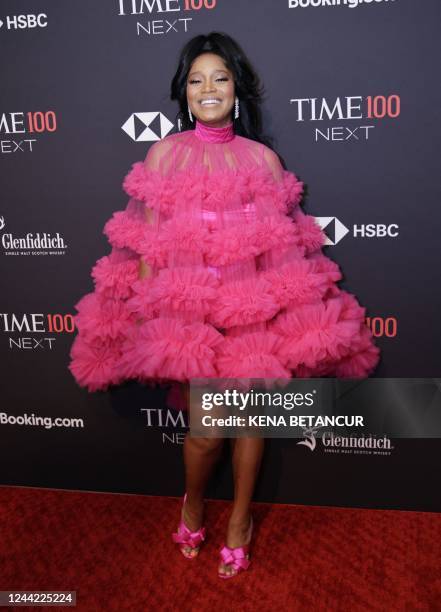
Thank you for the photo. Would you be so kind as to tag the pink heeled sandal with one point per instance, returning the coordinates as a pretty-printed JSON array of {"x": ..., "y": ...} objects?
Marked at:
[
  {"x": 185, "y": 537},
  {"x": 238, "y": 558}
]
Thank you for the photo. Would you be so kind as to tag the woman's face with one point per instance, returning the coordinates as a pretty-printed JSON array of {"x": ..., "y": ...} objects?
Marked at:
[{"x": 210, "y": 80}]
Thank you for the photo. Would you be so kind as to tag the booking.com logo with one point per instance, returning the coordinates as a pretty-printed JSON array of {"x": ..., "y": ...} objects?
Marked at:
[{"x": 331, "y": 3}]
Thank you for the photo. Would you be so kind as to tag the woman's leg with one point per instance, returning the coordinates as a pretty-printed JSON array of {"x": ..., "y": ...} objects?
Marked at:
[
  {"x": 246, "y": 457},
  {"x": 200, "y": 457}
]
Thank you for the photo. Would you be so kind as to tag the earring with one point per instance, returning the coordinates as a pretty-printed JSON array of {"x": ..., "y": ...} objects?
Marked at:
[
  {"x": 190, "y": 115},
  {"x": 236, "y": 108},
  {"x": 179, "y": 124}
]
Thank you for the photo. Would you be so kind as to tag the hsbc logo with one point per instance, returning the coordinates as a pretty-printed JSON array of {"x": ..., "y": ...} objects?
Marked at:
[
  {"x": 336, "y": 230},
  {"x": 23, "y": 22},
  {"x": 147, "y": 127}
]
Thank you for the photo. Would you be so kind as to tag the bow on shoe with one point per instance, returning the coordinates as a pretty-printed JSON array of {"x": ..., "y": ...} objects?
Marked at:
[
  {"x": 235, "y": 556},
  {"x": 191, "y": 538}
]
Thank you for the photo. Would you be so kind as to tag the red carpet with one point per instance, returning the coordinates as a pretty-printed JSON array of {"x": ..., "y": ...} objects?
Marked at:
[{"x": 116, "y": 552}]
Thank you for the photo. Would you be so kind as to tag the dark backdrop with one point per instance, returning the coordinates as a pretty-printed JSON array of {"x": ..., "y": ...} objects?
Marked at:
[{"x": 73, "y": 73}]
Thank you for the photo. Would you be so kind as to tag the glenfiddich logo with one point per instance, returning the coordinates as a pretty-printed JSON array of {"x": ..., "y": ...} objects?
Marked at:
[
  {"x": 353, "y": 444},
  {"x": 39, "y": 243}
]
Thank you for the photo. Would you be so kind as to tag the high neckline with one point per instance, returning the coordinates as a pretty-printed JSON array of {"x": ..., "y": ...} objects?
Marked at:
[{"x": 208, "y": 133}]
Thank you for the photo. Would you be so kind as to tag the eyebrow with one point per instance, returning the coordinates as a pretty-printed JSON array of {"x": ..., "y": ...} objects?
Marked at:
[{"x": 214, "y": 71}]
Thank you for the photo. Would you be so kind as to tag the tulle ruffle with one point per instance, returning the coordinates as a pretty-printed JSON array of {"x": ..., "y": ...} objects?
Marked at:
[
  {"x": 95, "y": 365},
  {"x": 114, "y": 280},
  {"x": 253, "y": 355},
  {"x": 298, "y": 282},
  {"x": 168, "y": 194},
  {"x": 103, "y": 326},
  {"x": 169, "y": 348},
  {"x": 123, "y": 230},
  {"x": 327, "y": 337},
  {"x": 121, "y": 340},
  {"x": 243, "y": 302},
  {"x": 183, "y": 290},
  {"x": 185, "y": 234}
]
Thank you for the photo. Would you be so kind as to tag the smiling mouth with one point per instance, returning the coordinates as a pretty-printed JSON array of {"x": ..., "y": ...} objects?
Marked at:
[{"x": 209, "y": 102}]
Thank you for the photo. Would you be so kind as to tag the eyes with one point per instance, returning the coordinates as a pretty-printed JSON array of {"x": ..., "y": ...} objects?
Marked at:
[{"x": 191, "y": 81}]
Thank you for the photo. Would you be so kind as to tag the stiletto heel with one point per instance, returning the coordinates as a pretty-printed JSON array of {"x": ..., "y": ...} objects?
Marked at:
[
  {"x": 239, "y": 557},
  {"x": 185, "y": 537}
]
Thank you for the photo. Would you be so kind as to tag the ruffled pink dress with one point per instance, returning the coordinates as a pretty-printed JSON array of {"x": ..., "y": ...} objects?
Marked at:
[{"x": 238, "y": 286}]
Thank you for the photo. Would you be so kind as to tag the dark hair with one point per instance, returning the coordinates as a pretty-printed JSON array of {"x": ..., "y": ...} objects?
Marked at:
[{"x": 247, "y": 84}]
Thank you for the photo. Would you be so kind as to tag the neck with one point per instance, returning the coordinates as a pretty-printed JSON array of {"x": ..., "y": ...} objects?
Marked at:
[{"x": 208, "y": 133}]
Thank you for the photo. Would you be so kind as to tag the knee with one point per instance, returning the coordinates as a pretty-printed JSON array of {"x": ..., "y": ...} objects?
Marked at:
[{"x": 206, "y": 445}]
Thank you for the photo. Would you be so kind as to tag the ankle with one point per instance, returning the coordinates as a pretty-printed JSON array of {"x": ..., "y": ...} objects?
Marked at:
[
  {"x": 192, "y": 514},
  {"x": 241, "y": 520},
  {"x": 194, "y": 502}
]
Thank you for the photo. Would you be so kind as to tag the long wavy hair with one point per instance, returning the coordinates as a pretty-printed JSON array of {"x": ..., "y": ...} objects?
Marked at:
[{"x": 247, "y": 84}]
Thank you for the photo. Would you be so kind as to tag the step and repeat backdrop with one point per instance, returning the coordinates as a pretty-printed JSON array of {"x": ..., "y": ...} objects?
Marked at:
[{"x": 353, "y": 103}]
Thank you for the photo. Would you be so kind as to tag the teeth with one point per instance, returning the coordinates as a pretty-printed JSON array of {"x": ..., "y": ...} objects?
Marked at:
[{"x": 210, "y": 101}]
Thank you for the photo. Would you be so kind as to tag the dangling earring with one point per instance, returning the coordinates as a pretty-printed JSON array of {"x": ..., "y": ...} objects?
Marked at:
[
  {"x": 179, "y": 124},
  {"x": 190, "y": 115},
  {"x": 236, "y": 108}
]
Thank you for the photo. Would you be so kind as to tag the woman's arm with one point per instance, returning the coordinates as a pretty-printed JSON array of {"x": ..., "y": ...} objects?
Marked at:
[
  {"x": 151, "y": 162},
  {"x": 154, "y": 160},
  {"x": 144, "y": 270}
]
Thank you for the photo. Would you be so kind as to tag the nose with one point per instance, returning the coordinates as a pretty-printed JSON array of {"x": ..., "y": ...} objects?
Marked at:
[{"x": 209, "y": 86}]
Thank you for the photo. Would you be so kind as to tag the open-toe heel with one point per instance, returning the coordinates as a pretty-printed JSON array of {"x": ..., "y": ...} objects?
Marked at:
[
  {"x": 187, "y": 538},
  {"x": 237, "y": 558}
]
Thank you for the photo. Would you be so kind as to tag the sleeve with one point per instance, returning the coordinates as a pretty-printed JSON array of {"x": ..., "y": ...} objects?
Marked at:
[
  {"x": 154, "y": 156},
  {"x": 273, "y": 163},
  {"x": 151, "y": 163},
  {"x": 288, "y": 188},
  {"x": 290, "y": 193},
  {"x": 107, "y": 317},
  {"x": 132, "y": 230},
  {"x": 155, "y": 165}
]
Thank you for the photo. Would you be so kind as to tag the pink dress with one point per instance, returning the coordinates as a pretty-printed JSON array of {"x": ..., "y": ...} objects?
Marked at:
[{"x": 238, "y": 284}]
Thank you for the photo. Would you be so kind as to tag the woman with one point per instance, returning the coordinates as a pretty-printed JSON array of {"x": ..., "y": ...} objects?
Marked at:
[{"x": 215, "y": 271}]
